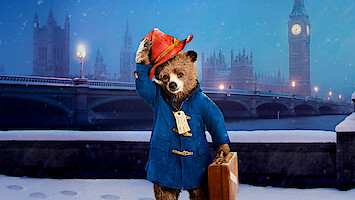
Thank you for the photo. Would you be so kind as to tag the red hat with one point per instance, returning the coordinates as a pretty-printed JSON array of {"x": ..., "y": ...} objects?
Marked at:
[{"x": 164, "y": 47}]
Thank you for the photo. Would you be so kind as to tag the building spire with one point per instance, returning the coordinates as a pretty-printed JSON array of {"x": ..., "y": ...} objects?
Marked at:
[
  {"x": 298, "y": 8},
  {"x": 51, "y": 21},
  {"x": 232, "y": 55},
  {"x": 66, "y": 24},
  {"x": 35, "y": 21},
  {"x": 128, "y": 37}
]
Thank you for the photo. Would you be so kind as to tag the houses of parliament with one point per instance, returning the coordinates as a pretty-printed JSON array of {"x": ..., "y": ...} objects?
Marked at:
[
  {"x": 240, "y": 74},
  {"x": 51, "y": 45},
  {"x": 51, "y": 58}
]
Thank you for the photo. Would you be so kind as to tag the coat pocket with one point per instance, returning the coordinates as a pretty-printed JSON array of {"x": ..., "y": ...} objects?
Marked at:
[
  {"x": 159, "y": 151},
  {"x": 203, "y": 158}
]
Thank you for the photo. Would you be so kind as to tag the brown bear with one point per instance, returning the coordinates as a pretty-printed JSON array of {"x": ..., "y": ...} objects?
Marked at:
[{"x": 178, "y": 159}]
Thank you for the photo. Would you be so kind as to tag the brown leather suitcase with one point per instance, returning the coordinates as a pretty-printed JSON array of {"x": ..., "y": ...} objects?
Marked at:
[{"x": 223, "y": 181}]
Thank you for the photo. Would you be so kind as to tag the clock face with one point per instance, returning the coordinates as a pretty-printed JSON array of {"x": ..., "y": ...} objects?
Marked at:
[
  {"x": 307, "y": 29},
  {"x": 35, "y": 24},
  {"x": 296, "y": 29}
]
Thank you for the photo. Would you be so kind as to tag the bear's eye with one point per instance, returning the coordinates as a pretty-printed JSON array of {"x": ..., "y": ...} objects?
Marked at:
[
  {"x": 165, "y": 77},
  {"x": 180, "y": 74}
]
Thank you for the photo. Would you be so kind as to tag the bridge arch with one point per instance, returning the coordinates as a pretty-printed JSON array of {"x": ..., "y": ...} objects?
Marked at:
[
  {"x": 33, "y": 112},
  {"x": 272, "y": 110},
  {"x": 325, "y": 110},
  {"x": 304, "y": 109},
  {"x": 119, "y": 110},
  {"x": 233, "y": 108}
]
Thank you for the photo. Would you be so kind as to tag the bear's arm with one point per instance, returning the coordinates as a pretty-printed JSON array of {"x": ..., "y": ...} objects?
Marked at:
[
  {"x": 146, "y": 89},
  {"x": 215, "y": 124}
]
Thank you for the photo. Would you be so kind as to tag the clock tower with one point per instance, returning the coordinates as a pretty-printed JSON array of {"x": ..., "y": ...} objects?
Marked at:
[{"x": 299, "y": 50}]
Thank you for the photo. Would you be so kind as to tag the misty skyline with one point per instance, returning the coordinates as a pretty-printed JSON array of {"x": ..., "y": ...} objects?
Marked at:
[{"x": 260, "y": 25}]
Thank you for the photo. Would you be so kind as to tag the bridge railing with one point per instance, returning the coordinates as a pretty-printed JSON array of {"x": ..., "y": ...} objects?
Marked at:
[
  {"x": 54, "y": 81},
  {"x": 111, "y": 84},
  {"x": 35, "y": 80},
  {"x": 228, "y": 92}
]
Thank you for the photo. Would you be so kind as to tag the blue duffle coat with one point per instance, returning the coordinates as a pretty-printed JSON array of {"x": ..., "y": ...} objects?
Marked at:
[{"x": 165, "y": 167}]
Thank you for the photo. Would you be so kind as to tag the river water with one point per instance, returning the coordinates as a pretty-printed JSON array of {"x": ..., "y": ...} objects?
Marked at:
[{"x": 324, "y": 122}]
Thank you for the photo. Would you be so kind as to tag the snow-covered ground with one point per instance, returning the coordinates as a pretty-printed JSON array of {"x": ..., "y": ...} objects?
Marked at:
[
  {"x": 259, "y": 136},
  {"x": 137, "y": 189},
  {"x": 16, "y": 188}
]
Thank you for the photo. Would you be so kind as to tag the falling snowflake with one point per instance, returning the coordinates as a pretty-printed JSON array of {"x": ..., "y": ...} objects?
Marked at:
[
  {"x": 39, "y": 2},
  {"x": 74, "y": 33},
  {"x": 84, "y": 14},
  {"x": 0, "y": 42},
  {"x": 278, "y": 44}
]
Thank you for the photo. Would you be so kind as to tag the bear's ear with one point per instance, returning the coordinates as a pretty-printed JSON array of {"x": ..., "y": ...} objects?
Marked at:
[{"x": 192, "y": 55}]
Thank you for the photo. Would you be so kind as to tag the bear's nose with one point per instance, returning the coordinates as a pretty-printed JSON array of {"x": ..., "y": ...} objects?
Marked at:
[{"x": 172, "y": 86}]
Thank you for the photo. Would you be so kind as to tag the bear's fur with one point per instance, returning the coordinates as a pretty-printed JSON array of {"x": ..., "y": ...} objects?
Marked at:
[{"x": 180, "y": 70}]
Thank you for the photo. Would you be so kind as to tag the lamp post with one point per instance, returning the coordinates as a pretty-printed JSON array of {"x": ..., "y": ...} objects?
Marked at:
[
  {"x": 81, "y": 53},
  {"x": 330, "y": 95},
  {"x": 316, "y": 91},
  {"x": 293, "y": 85},
  {"x": 339, "y": 97},
  {"x": 221, "y": 87}
]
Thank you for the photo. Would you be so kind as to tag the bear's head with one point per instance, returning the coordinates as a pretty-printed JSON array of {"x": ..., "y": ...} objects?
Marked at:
[{"x": 178, "y": 76}]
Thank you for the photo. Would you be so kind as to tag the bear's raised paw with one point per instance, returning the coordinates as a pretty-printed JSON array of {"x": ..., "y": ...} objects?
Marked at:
[{"x": 142, "y": 55}]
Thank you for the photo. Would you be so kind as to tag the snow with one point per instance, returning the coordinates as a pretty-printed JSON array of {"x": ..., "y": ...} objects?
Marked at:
[
  {"x": 259, "y": 136},
  {"x": 347, "y": 125},
  {"x": 353, "y": 95},
  {"x": 140, "y": 189}
]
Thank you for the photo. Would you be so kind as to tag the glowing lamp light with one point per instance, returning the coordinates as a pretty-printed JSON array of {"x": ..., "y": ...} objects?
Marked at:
[
  {"x": 330, "y": 93},
  {"x": 339, "y": 96},
  {"x": 81, "y": 53},
  {"x": 316, "y": 89},
  {"x": 221, "y": 87},
  {"x": 293, "y": 84}
]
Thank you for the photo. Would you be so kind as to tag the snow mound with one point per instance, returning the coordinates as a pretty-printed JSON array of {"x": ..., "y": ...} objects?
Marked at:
[
  {"x": 348, "y": 125},
  {"x": 264, "y": 136}
]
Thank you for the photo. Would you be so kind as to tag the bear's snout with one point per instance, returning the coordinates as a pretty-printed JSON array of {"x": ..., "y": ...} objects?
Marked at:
[{"x": 172, "y": 86}]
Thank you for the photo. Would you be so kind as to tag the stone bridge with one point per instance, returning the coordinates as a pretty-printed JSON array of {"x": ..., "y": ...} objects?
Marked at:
[{"x": 43, "y": 102}]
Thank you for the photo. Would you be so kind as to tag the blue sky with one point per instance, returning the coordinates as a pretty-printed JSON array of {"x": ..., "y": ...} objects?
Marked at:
[{"x": 260, "y": 24}]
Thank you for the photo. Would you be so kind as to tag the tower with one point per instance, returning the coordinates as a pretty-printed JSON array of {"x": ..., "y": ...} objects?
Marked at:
[
  {"x": 299, "y": 49},
  {"x": 127, "y": 63},
  {"x": 100, "y": 67},
  {"x": 209, "y": 70},
  {"x": 51, "y": 47},
  {"x": 242, "y": 71}
]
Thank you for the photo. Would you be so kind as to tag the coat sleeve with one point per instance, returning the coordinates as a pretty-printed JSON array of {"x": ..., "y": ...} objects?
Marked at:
[
  {"x": 146, "y": 89},
  {"x": 215, "y": 124}
]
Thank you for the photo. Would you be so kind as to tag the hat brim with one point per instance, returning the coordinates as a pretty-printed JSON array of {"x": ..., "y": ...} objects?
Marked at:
[{"x": 172, "y": 53}]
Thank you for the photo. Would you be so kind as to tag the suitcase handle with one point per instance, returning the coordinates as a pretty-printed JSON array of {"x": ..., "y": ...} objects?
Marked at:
[{"x": 220, "y": 158}]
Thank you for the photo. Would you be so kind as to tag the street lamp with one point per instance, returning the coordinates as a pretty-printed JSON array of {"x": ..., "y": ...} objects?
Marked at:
[
  {"x": 330, "y": 95},
  {"x": 221, "y": 87},
  {"x": 293, "y": 84},
  {"x": 81, "y": 53},
  {"x": 339, "y": 97},
  {"x": 316, "y": 91}
]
